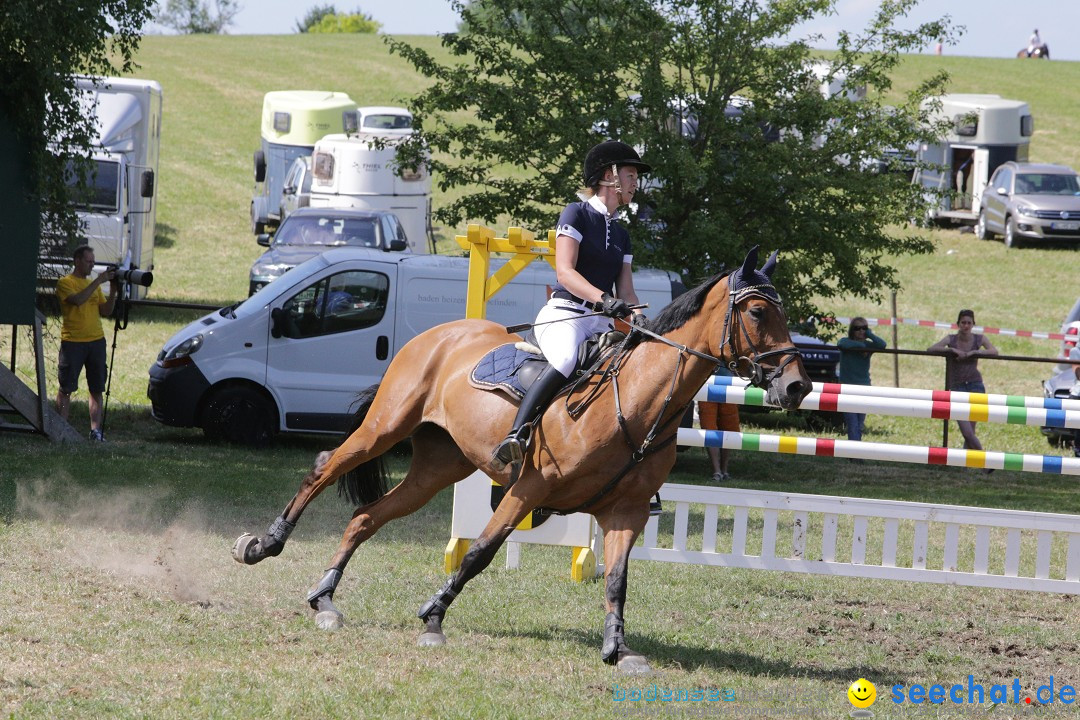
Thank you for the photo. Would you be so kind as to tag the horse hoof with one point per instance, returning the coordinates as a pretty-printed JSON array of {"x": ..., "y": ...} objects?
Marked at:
[
  {"x": 430, "y": 639},
  {"x": 634, "y": 664},
  {"x": 240, "y": 548},
  {"x": 329, "y": 620}
]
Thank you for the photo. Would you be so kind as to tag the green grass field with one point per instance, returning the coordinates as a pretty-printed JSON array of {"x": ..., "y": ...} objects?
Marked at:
[{"x": 119, "y": 597}]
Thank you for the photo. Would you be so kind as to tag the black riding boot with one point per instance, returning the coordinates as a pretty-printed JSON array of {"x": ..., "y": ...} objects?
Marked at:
[{"x": 512, "y": 449}]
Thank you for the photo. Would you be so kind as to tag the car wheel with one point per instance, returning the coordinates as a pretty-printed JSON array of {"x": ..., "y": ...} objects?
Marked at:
[
  {"x": 1012, "y": 240},
  {"x": 257, "y": 228},
  {"x": 241, "y": 415},
  {"x": 981, "y": 231}
]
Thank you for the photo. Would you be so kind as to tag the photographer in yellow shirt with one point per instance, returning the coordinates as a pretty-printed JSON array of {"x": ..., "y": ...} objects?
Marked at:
[{"x": 82, "y": 340}]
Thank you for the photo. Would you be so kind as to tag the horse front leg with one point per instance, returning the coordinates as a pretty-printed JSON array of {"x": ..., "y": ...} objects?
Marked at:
[
  {"x": 249, "y": 549},
  {"x": 513, "y": 508},
  {"x": 620, "y": 532}
]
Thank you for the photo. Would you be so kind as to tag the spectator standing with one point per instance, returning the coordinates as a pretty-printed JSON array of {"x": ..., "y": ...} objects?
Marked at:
[
  {"x": 719, "y": 416},
  {"x": 855, "y": 367},
  {"x": 965, "y": 348},
  {"x": 82, "y": 340}
]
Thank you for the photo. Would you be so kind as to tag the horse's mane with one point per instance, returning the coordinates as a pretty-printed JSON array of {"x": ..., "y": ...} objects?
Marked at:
[{"x": 680, "y": 310}]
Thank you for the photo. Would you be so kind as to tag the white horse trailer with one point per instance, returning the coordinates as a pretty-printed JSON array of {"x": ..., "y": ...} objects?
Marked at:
[
  {"x": 986, "y": 131},
  {"x": 362, "y": 171}
]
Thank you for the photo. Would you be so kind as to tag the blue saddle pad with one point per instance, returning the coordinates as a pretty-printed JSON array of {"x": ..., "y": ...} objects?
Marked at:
[{"x": 497, "y": 370}]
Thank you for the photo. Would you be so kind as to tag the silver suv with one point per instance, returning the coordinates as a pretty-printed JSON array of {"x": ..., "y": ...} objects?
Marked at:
[{"x": 1030, "y": 201}]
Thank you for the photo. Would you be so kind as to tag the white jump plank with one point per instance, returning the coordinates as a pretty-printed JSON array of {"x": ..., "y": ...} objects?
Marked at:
[
  {"x": 798, "y": 535},
  {"x": 1012, "y": 553},
  {"x": 952, "y": 547},
  {"x": 708, "y": 535},
  {"x": 828, "y": 538},
  {"x": 738, "y": 536},
  {"x": 920, "y": 545},
  {"x": 1042, "y": 554},
  {"x": 858, "y": 541},
  {"x": 982, "y": 549},
  {"x": 768, "y": 537}
]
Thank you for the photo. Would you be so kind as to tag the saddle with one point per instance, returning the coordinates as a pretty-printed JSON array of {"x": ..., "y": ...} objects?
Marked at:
[{"x": 511, "y": 368}]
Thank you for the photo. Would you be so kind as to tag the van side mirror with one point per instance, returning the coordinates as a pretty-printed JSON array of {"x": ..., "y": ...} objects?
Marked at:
[
  {"x": 1002, "y": 191},
  {"x": 275, "y": 322},
  {"x": 146, "y": 187},
  {"x": 397, "y": 246},
  {"x": 263, "y": 239}
]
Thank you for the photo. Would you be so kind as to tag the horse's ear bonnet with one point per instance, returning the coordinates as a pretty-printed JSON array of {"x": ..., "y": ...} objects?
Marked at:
[{"x": 749, "y": 276}]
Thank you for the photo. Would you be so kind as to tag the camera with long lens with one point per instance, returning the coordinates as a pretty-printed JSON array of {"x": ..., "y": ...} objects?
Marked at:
[{"x": 132, "y": 276}]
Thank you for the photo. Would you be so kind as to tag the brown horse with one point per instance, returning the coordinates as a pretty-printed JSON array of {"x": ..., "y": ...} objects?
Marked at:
[
  {"x": 1040, "y": 53},
  {"x": 607, "y": 458}
]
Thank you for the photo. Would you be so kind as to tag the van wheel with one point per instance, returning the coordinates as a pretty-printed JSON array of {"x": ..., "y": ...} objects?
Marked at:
[
  {"x": 981, "y": 231},
  {"x": 240, "y": 415},
  {"x": 1012, "y": 240}
]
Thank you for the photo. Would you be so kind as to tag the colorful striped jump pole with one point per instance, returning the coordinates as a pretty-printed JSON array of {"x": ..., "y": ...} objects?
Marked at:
[
  {"x": 921, "y": 455},
  {"x": 901, "y": 407},
  {"x": 937, "y": 396}
]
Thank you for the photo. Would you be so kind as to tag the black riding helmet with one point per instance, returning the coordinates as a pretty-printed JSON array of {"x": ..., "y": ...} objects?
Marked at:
[{"x": 606, "y": 154}]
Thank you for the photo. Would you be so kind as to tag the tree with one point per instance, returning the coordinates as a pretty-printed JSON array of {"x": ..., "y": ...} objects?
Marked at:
[
  {"x": 356, "y": 22},
  {"x": 314, "y": 16},
  {"x": 745, "y": 147},
  {"x": 43, "y": 45},
  {"x": 196, "y": 17}
]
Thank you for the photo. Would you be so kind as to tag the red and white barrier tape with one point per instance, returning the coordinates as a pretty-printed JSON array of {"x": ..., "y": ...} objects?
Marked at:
[{"x": 983, "y": 330}]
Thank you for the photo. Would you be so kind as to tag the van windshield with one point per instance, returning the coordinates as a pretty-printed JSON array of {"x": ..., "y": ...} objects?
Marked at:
[
  {"x": 314, "y": 230},
  {"x": 103, "y": 186},
  {"x": 1046, "y": 184}
]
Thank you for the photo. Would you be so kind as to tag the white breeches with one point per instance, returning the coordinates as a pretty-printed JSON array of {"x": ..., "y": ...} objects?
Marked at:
[{"x": 560, "y": 340}]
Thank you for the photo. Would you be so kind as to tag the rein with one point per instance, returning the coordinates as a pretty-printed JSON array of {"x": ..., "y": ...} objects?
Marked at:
[{"x": 755, "y": 375}]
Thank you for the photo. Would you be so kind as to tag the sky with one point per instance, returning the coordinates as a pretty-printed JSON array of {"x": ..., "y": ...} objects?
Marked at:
[{"x": 995, "y": 28}]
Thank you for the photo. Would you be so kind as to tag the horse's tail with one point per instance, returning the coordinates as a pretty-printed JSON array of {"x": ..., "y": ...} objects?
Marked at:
[{"x": 367, "y": 482}]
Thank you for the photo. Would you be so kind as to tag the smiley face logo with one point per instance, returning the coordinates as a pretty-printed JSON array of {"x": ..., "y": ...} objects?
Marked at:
[{"x": 862, "y": 693}]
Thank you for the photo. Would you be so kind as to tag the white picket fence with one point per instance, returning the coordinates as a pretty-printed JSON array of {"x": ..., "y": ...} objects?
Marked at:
[{"x": 855, "y": 537}]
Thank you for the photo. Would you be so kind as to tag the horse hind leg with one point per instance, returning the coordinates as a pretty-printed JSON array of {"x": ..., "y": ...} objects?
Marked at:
[
  {"x": 437, "y": 463},
  {"x": 249, "y": 549},
  {"x": 358, "y": 460}
]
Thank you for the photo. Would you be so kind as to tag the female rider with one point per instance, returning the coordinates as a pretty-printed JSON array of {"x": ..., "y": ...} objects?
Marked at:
[{"x": 592, "y": 259}]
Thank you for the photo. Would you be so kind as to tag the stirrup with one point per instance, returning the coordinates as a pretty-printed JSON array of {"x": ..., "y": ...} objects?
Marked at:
[
  {"x": 655, "y": 508},
  {"x": 511, "y": 451}
]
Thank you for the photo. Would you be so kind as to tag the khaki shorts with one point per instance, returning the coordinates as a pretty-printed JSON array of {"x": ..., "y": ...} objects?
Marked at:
[{"x": 718, "y": 416}]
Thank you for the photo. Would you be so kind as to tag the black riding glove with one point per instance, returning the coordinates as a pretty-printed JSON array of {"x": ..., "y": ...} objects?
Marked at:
[
  {"x": 614, "y": 307},
  {"x": 639, "y": 320}
]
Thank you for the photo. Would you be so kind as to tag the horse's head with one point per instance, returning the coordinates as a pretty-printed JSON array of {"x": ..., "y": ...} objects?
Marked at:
[{"x": 755, "y": 341}]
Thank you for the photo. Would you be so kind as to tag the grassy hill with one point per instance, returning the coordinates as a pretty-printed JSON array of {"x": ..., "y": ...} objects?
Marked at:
[{"x": 214, "y": 86}]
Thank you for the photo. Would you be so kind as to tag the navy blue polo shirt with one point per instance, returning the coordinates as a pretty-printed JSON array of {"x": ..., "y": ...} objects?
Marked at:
[{"x": 603, "y": 244}]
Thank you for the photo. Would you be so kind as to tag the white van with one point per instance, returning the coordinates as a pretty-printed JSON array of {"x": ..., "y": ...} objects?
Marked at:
[{"x": 293, "y": 356}]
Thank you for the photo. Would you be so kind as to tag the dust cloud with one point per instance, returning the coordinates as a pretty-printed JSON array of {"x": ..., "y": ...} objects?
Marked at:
[{"x": 127, "y": 533}]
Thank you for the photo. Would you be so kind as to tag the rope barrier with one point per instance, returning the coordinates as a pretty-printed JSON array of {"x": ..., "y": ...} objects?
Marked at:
[{"x": 981, "y": 329}]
